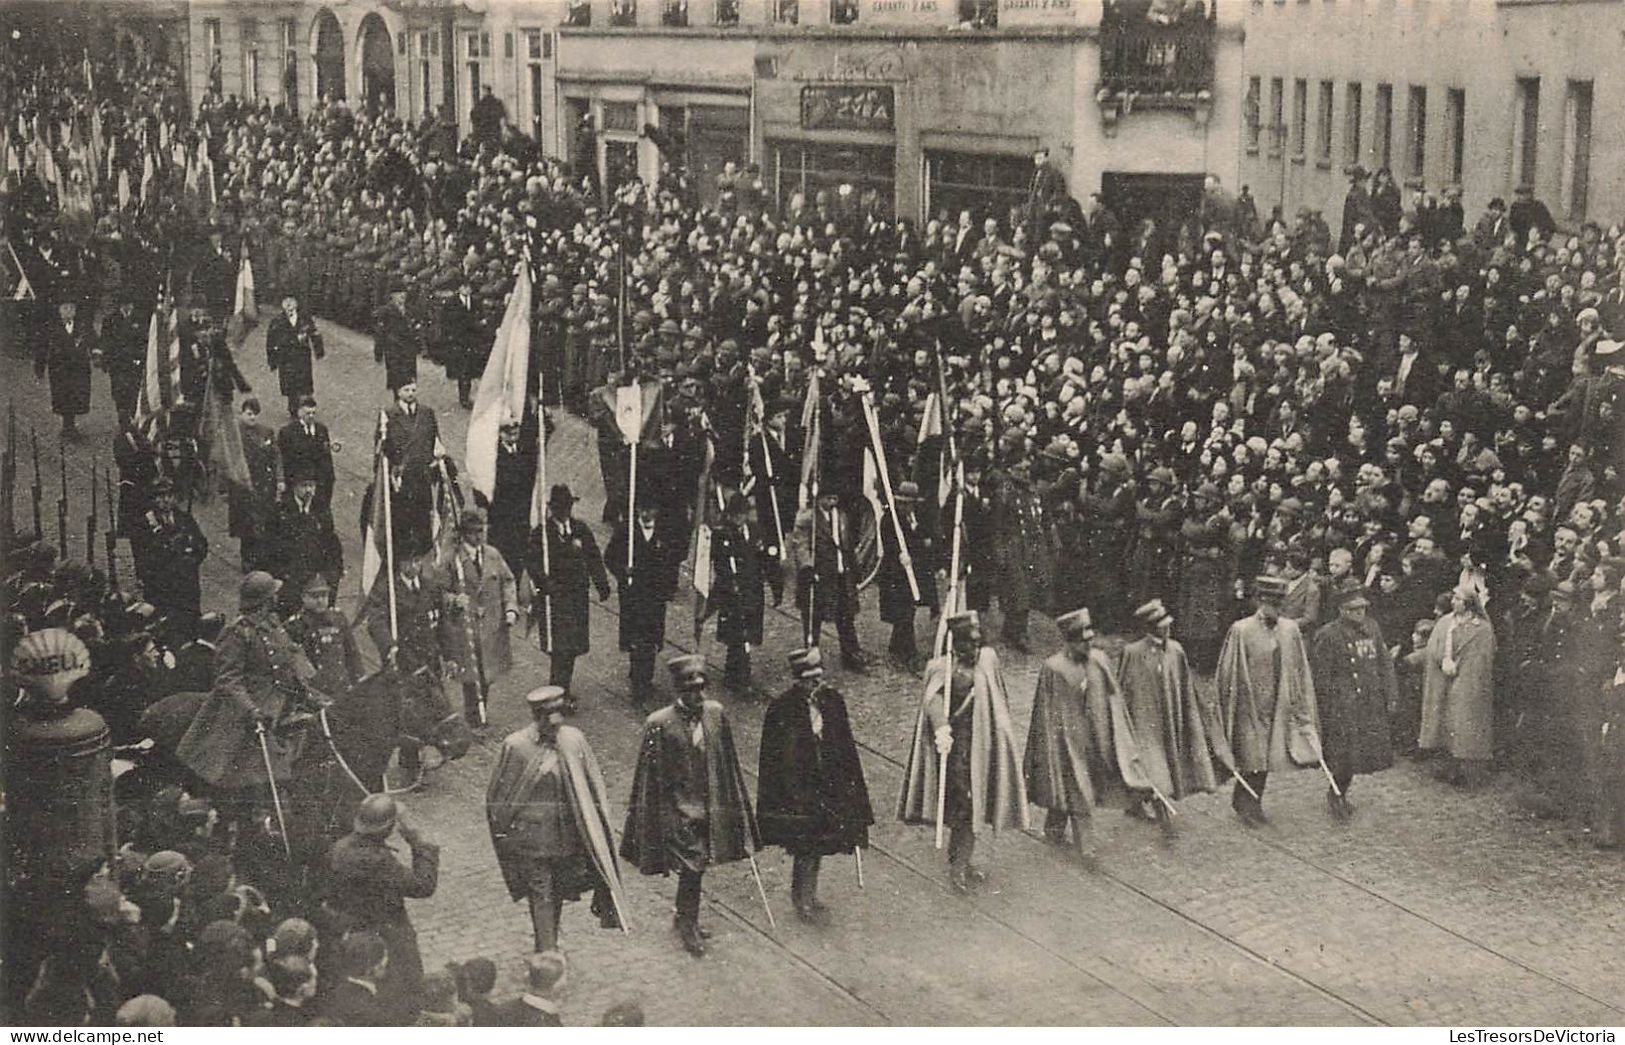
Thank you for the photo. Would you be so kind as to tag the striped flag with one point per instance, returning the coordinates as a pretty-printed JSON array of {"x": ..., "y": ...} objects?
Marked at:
[
  {"x": 373, "y": 520},
  {"x": 161, "y": 385},
  {"x": 245, "y": 312}
]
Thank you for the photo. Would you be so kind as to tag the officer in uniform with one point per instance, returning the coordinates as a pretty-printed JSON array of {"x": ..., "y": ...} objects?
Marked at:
[
  {"x": 325, "y": 637},
  {"x": 169, "y": 554}
]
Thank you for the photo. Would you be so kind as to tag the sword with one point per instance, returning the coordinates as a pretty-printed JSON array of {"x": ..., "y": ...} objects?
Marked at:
[{"x": 276, "y": 799}]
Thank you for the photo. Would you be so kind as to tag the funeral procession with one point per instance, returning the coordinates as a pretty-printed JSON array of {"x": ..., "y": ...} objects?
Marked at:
[{"x": 741, "y": 513}]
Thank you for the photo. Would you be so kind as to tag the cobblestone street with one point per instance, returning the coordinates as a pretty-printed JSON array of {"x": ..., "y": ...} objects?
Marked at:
[{"x": 1434, "y": 906}]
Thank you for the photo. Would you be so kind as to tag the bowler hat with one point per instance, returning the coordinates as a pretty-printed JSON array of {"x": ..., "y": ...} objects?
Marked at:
[
  {"x": 560, "y": 495},
  {"x": 960, "y": 622},
  {"x": 471, "y": 519}
]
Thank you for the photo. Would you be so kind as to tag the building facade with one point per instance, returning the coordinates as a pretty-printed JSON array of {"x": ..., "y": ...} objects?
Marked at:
[
  {"x": 1486, "y": 95},
  {"x": 932, "y": 106}
]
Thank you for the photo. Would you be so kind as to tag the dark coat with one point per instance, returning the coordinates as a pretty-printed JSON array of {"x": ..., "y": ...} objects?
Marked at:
[
  {"x": 66, "y": 358},
  {"x": 508, "y": 516},
  {"x": 897, "y": 600},
  {"x": 370, "y": 887},
  {"x": 667, "y": 826},
  {"x": 1355, "y": 687},
  {"x": 811, "y": 797},
  {"x": 306, "y": 456},
  {"x": 256, "y": 668},
  {"x": 124, "y": 354},
  {"x": 303, "y": 544},
  {"x": 464, "y": 343},
  {"x": 291, "y": 350},
  {"x": 169, "y": 555},
  {"x": 574, "y": 566},
  {"x": 397, "y": 344},
  {"x": 214, "y": 282},
  {"x": 645, "y": 590},
  {"x": 739, "y": 562},
  {"x": 417, "y": 621},
  {"x": 409, "y": 440},
  {"x": 352, "y": 1005}
]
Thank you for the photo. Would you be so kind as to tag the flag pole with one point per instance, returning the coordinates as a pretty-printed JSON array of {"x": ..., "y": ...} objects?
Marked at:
[
  {"x": 945, "y": 650},
  {"x": 891, "y": 501},
  {"x": 631, "y": 511},
  {"x": 385, "y": 481},
  {"x": 547, "y": 559}
]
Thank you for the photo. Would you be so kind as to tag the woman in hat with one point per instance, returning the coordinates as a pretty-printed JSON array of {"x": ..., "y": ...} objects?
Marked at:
[{"x": 1458, "y": 696}]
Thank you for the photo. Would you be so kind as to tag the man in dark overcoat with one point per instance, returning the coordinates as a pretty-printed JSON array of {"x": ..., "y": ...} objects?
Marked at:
[
  {"x": 1354, "y": 687},
  {"x": 646, "y": 584},
  {"x": 396, "y": 342},
  {"x": 574, "y": 565},
  {"x": 689, "y": 808},
  {"x": 739, "y": 564},
  {"x": 304, "y": 543},
  {"x": 122, "y": 352},
  {"x": 508, "y": 513},
  {"x": 411, "y": 438},
  {"x": 897, "y": 601},
  {"x": 304, "y": 448},
  {"x": 169, "y": 552},
  {"x": 463, "y": 340},
  {"x": 835, "y": 577},
  {"x": 64, "y": 354},
  {"x": 811, "y": 797},
  {"x": 292, "y": 344}
]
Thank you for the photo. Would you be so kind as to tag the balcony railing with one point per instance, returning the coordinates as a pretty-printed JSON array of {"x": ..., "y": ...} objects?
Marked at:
[{"x": 1151, "y": 59}]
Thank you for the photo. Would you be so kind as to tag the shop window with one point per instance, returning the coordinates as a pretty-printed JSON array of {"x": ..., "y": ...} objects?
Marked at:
[
  {"x": 727, "y": 12},
  {"x": 807, "y": 169},
  {"x": 623, "y": 12},
  {"x": 843, "y": 12},
  {"x": 674, "y": 13},
  {"x": 987, "y": 185}
]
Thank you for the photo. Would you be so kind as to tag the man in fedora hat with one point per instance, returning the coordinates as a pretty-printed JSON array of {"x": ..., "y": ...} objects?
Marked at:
[
  {"x": 1267, "y": 698},
  {"x": 1081, "y": 749},
  {"x": 573, "y": 567},
  {"x": 811, "y": 797},
  {"x": 482, "y": 604},
  {"x": 897, "y": 602},
  {"x": 548, "y": 812},
  {"x": 689, "y": 808},
  {"x": 1354, "y": 688},
  {"x": 369, "y": 887},
  {"x": 1163, "y": 703},
  {"x": 965, "y": 716}
]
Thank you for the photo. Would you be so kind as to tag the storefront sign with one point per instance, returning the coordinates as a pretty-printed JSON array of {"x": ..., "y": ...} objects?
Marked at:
[
  {"x": 1038, "y": 12},
  {"x": 848, "y": 108}
]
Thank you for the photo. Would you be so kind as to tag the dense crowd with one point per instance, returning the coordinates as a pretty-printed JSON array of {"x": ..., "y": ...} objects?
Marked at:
[{"x": 1426, "y": 411}]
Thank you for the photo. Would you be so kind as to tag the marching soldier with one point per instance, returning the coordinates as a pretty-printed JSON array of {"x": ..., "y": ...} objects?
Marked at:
[
  {"x": 646, "y": 584},
  {"x": 964, "y": 720},
  {"x": 1267, "y": 697},
  {"x": 811, "y": 797},
  {"x": 689, "y": 809},
  {"x": 169, "y": 554},
  {"x": 122, "y": 352},
  {"x": 739, "y": 559},
  {"x": 482, "y": 606},
  {"x": 1354, "y": 688},
  {"x": 548, "y": 813},
  {"x": 324, "y": 635},
  {"x": 1166, "y": 709},
  {"x": 1154, "y": 560},
  {"x": 574, "y": 566}
]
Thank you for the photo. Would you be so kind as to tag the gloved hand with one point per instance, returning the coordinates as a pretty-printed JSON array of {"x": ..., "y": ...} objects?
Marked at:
[{"x": 944, "y": 740}]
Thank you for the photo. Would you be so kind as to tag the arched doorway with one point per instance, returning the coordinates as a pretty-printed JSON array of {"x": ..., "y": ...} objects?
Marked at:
[
  {"x": 377, "y": 63},
  {"x": 328, "y": 56}
]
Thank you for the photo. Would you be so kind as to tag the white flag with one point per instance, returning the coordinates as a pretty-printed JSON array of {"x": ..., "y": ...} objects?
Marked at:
[{"x": 502, "y": 390}]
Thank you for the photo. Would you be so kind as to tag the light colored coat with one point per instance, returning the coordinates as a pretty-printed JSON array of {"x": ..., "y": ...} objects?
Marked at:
[{"x": 1458, "y": 714}]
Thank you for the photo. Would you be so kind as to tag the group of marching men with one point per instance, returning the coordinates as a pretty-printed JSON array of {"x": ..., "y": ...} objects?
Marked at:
[{"x": 1131, "y": 731}]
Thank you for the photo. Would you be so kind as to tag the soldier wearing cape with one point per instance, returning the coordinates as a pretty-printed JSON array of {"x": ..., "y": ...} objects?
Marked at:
[
  {"x": 964, "y": 720},
  {"x": 689, "y": 808},
  {"x": 1267, "y": 698},
  {"x": 1169, "y": 718},
  {"x": 549, "y": 818}
]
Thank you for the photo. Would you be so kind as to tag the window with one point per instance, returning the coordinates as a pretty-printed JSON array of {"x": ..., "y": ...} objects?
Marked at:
[
  {"x": 623, "y": 12},
  {"x": 1277, "y": 120},
  {"x": 727, "y": 12},
  {"x": 674, "y": 13},
  {"x": 843, "y": 12},
  {"x": 580, "y": 13},
  {"x": 986, "y": 185},
  {"x": 979, "y": 14},
  {"x": 400, "y": 42},
  {"x": 538, "y": 45},
  {"x": 1416, "y": 134},
  {"x": 1353, "y": 97},
  {"x": 290, "y": 37},
  {"x": 434, "y": 43},
  {"x": 805, "y": 168},
  {"x": 423, "y": 78},
  {"x": 1323, "y": 130},
  {"x": 621, "y": 116},
  {"x": 786, "y": 12},
  {"x": 1455, "y": 102},
  {"x": 1300, "y": 117},
  {"x": 1577, "y": 148},
  {"x": 507, "y": 46},
  {"x": 251, "y": 88},
  {"x": 473, "y": 82},
  {"x": 536, "y": 100},
  {"x": 485, "y": 45},
  {"x": 473, "y": 45},
  {"x": 1251, "y": 114},
  {"x": 211, "y": 38},
  {"x": 1526, "y": 150},
  {"x": 1384, "y": 131}
]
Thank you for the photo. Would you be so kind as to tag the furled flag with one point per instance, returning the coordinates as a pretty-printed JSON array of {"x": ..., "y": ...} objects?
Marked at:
[
  {"x": 222, "y": 449},
  {"x": 812, "y": 425},
  {"x": 245, "y": 312},
  {"x": 123, "y": 189},
  {"x": 375, "y": 520},
  {"x": 502, "y": 388}
]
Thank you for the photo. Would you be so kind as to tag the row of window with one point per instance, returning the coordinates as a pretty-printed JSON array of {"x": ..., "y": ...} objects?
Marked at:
[
  {"x": 1279, "y": 136},
  {"x": 982, "y": 14},
  {"x": 1269, "y": 129}
]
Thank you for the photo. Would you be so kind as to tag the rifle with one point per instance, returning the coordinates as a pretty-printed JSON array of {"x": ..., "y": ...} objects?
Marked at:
[
  {"x": 38, "y": 489},
  {"x": 472, "y": 633},
  {"x": 8, "y": 476},
  {"x": 62, "y": 502},
  {"x": 91, "y": 523},
  {"x": 111, "y": 536}
]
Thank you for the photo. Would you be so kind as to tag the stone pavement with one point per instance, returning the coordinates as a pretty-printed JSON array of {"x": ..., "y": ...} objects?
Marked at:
[{"x": 1432, "y": 907}]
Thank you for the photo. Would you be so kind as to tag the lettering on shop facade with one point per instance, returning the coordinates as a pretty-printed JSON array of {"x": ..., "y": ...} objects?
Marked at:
[{"x": 848, "y": 108}]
